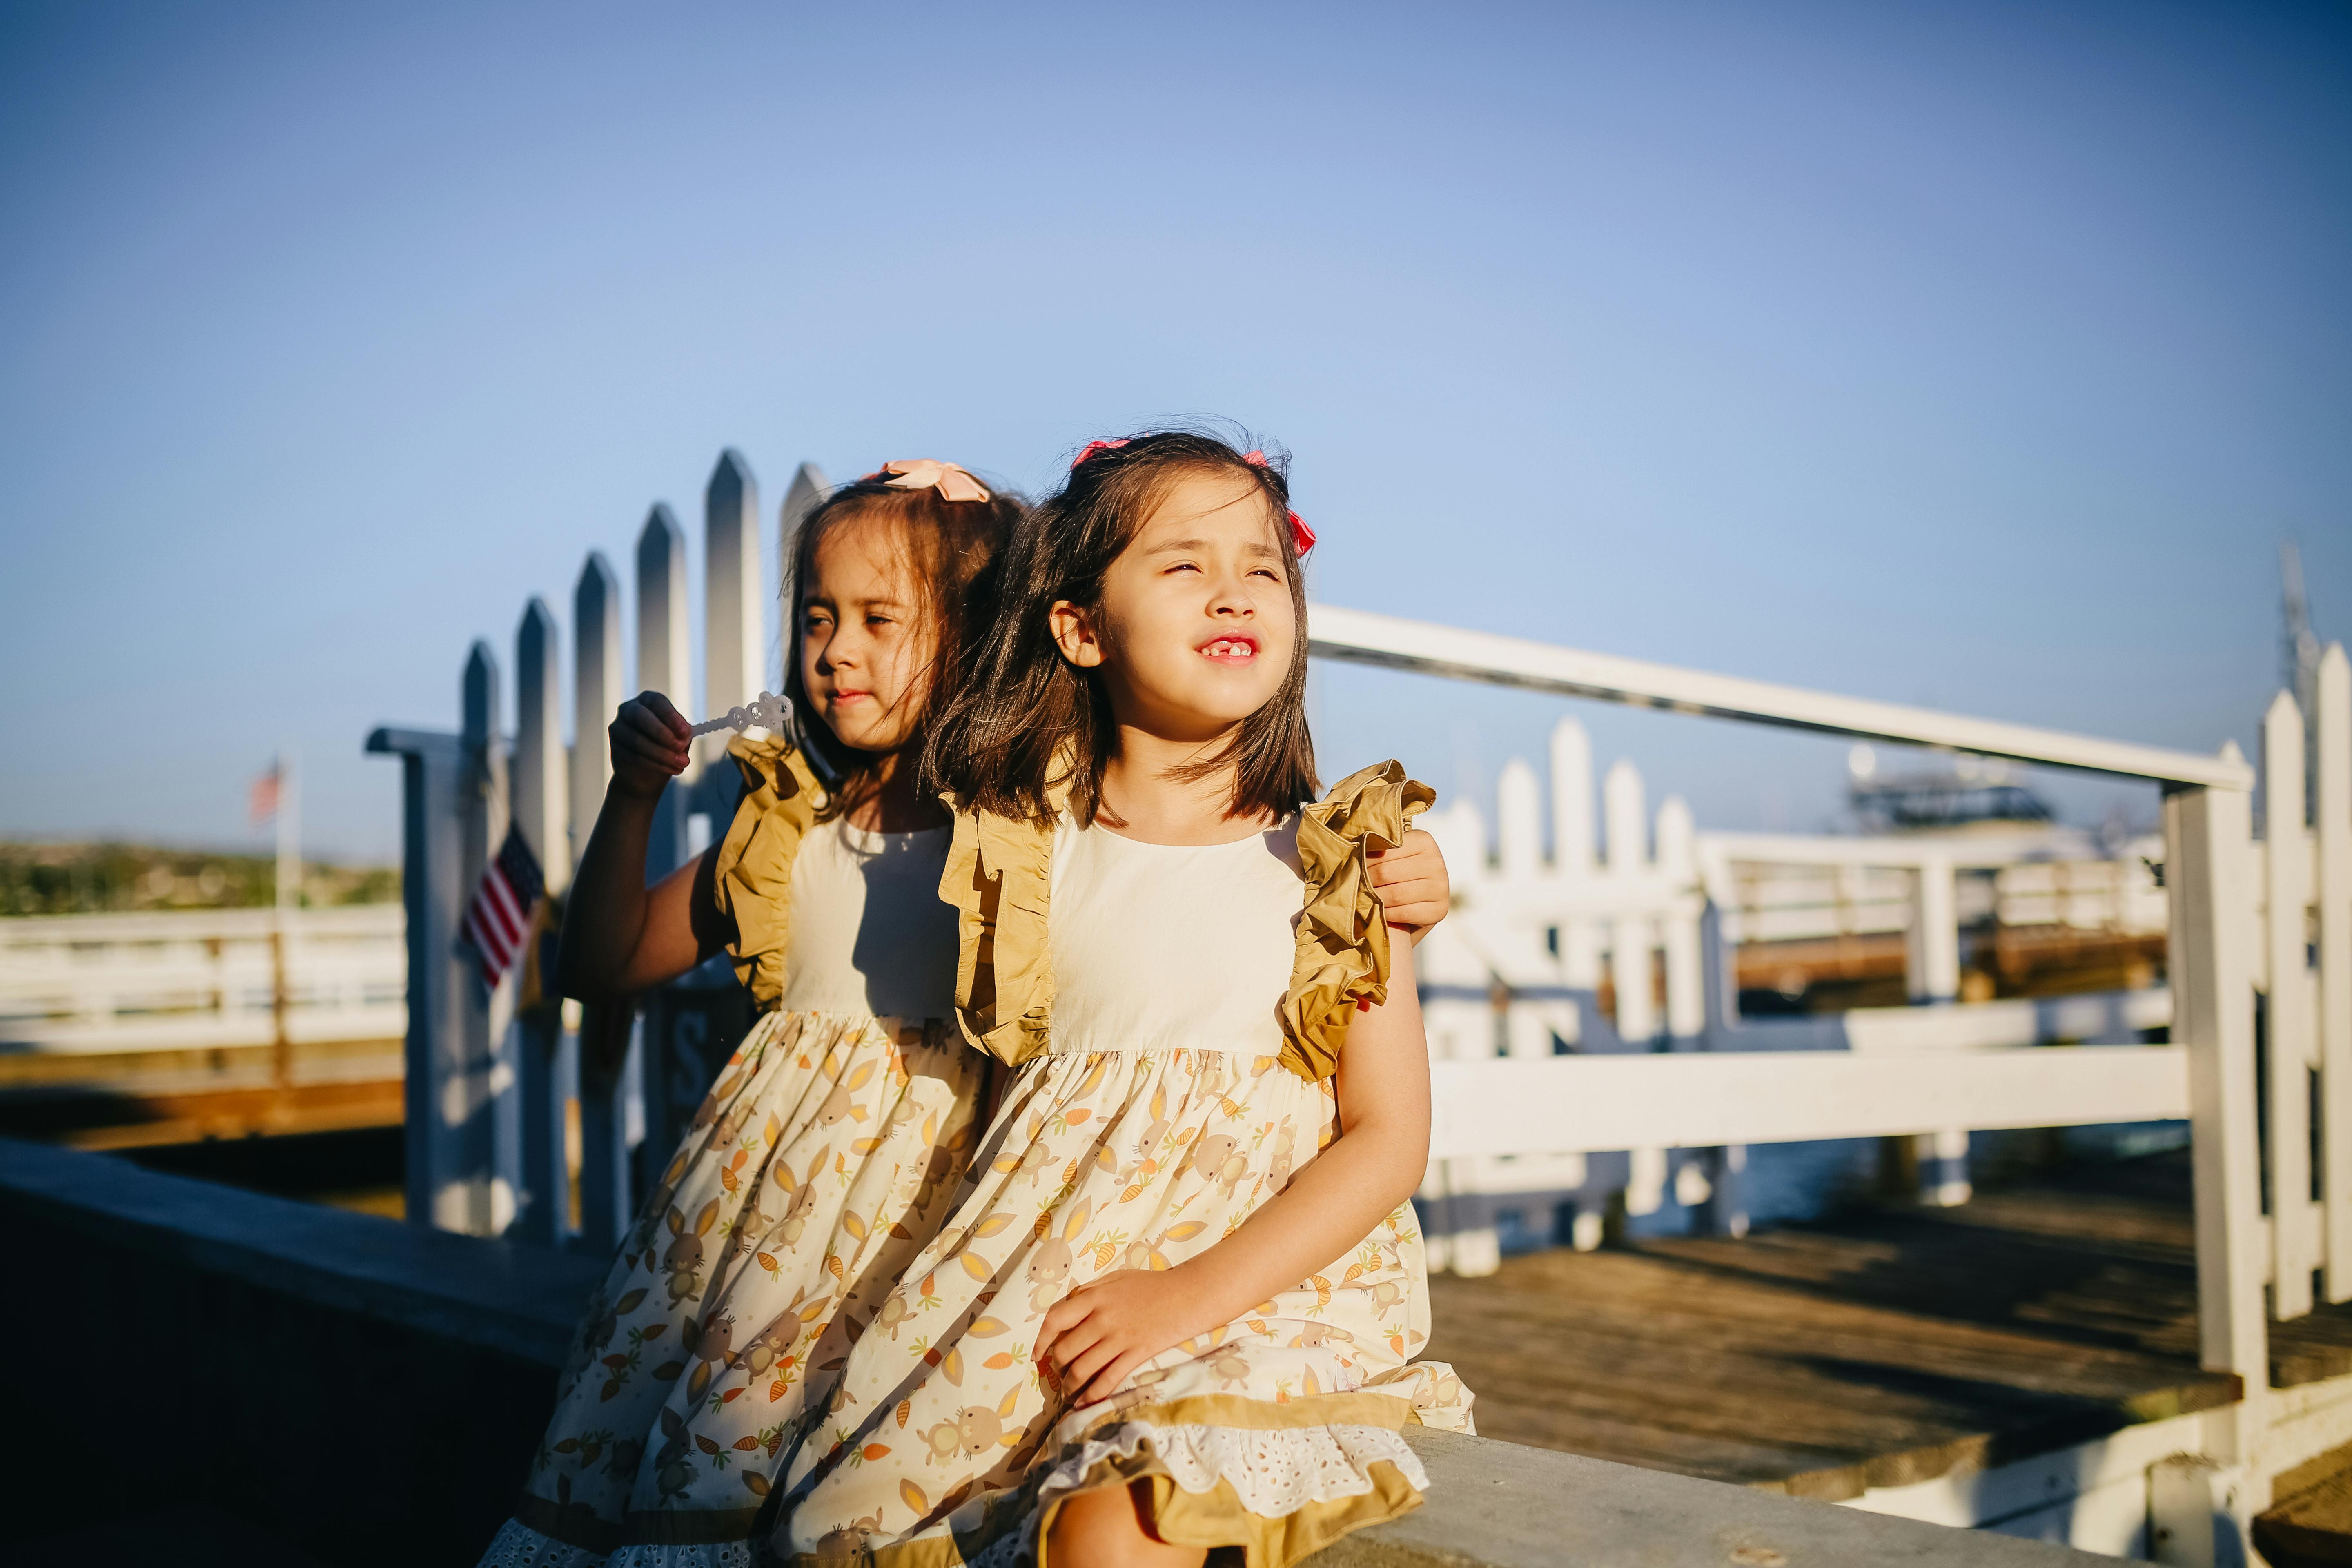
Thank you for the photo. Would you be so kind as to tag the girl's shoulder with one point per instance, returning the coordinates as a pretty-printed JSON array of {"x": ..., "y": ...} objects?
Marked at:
[{"x": 752, "y": 868}]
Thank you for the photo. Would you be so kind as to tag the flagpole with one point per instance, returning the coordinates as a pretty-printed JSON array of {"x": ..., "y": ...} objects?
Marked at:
[
  {"x": 290, "y": 891},
  {"x": 289, "y": 834}
]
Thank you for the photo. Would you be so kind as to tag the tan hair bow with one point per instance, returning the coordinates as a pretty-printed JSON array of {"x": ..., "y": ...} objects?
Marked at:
[{"x": 952, "y": 480}]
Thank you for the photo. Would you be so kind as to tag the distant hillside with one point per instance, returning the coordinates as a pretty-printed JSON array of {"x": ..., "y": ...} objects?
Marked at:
[{"x": 102, "y": 879}]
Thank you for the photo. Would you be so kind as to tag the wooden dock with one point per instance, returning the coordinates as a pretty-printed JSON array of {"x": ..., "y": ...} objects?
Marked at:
[
  {"x": 136, "y": 1099},
  {"x": 1881, "y": 1350}
]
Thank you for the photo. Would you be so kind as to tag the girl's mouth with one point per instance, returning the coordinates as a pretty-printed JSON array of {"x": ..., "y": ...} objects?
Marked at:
[{"x": 1230, "y": 648}]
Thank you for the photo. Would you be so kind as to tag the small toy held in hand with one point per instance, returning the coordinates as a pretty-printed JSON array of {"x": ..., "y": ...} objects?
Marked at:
[{"x": 767, "y": 712}]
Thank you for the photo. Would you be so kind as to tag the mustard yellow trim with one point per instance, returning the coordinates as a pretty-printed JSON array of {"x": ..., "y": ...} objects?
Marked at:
[
  {"x": 999, "y": 876},
  {"x": 1217, "y": 1516},
  {"x": 930, "y": 1552},
  {"x": 1218, "y": 1519},
  {"x": 1343, "y": 939},
  {"x": 752, "y": 884}
]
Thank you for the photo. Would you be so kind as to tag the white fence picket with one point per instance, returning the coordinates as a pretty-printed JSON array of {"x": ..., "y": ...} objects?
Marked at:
[
  {"x": 600, "y": 684},
  {"x": 665, "y": 664},
  {"x": 2332, "y": 820},
  {"x": 542, "y": 811},
  {"x": 733, "y": 627},
  {"x": 2289, "y": 1035},
  {"x": 476, "y": 1120}
]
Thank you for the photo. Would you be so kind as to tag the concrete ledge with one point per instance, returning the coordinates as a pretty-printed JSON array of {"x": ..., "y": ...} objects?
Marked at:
[
  {"x": 1503, "y": 1505},
  {"x": 370, "y": 1392}
]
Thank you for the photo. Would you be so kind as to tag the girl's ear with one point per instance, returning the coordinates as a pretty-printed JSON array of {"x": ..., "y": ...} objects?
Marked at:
[{"x": 1074, "y": 635}]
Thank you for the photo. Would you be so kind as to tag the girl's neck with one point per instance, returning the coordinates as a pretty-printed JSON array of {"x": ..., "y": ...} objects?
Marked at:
[
  {"x": 890, "y": 799},
  {"x": 1146, "y": 795}
]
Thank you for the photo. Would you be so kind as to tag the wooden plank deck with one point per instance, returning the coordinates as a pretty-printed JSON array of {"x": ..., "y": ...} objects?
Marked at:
[{"x": 1874, "y": 1351}]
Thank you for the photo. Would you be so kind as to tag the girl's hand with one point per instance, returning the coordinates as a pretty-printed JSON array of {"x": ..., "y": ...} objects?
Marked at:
[
  {"x": 649, "y": 745},
  {"x": 1099, "y": 1333},
  {"x": 1413, "y": 884}
]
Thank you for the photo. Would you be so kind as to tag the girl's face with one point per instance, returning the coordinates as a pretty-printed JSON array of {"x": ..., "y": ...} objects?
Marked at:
[
  {"x": 1196, "y": 625},
  {"x": 866, "y": 637}
]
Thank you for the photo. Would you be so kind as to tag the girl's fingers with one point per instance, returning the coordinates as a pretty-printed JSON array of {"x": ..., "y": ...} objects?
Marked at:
[
  {"x": 1401, "y": 912},
  {"x": 1122, "y": 1369},
  {"x": 665, "y": 714},
  {"x": 1081, "y": 1373},
  {"x": 1071, "y": 1309},
  {"x": 637, "y": 724},
  {"x": 1074, "y": 1345},
  {"x": 1107, "y": 1381},
  {"x": 630, "y": 748},
  {"x": 1060, "y": 1318}
]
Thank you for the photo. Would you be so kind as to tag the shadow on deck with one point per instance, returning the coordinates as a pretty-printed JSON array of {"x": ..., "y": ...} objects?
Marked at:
[{"x": 1879, "y": 1350}]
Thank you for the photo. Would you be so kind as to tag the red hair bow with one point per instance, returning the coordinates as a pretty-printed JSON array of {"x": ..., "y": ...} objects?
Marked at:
[
  {"x": 1302, "y": 538},
  {"x": 1094, "y": 447}
]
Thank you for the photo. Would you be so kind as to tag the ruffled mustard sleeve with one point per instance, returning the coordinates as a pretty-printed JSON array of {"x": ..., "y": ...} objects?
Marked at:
[
  {"x": 999, "y": 877},
  {"x": 753, "y": 880},
  {"x": 1343, "y": 939}
]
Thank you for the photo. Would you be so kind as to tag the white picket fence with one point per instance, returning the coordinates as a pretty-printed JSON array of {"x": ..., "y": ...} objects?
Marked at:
[
  {"x": 1677, "y": 1085},
  {"x": 1518, "y": 972},
  {"x": 202, "y": 979}
]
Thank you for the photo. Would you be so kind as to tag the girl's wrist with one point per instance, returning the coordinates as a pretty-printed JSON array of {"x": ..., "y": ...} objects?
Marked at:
[
  {"x": 1210, "y": 1290},
  {"x": 618, "y": 794}
]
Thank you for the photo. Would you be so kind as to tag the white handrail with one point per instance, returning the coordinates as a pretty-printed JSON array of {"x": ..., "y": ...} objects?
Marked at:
[
  {"x": 1360, "y": 636},
  {"x": 1592, "y": 1104}
]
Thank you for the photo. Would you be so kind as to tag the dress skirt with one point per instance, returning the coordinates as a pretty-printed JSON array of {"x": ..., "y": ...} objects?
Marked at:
[
  {"x": 829, "y": 1150},
  {"x": 1276, "y": 1433}
]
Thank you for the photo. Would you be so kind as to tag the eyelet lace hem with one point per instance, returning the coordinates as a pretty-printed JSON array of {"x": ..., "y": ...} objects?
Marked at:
[
  {"x": 712, "y": 1554},
  {"x": 518, "y": 1545}
]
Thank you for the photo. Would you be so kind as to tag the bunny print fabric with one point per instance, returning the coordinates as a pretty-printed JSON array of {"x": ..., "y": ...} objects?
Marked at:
[
  {"x": 829, "y": 1147},
  {"x": 1159, "y": 1115},
  {"x": 827, "y": 1153}
]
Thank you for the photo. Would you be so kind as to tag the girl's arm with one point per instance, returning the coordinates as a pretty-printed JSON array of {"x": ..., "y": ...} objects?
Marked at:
[
  {"x": 1094, "y": 1337},
  {"x": 619, "y": 935}
]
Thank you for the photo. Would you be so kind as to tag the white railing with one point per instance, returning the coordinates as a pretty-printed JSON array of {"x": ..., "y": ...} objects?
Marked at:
[
  {"x": 202, "y": 979},
  {"x": 2231, "y": 932}
]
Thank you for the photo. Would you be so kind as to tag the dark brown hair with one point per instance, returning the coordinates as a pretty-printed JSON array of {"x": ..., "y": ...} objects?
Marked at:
[
  {"x": 1019, "y": 704},
  {"x": 951, "y": 550}
]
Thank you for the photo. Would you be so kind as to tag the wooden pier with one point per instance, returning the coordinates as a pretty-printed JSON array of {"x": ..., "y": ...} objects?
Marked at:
[{"x": 1883, "y": 1350}]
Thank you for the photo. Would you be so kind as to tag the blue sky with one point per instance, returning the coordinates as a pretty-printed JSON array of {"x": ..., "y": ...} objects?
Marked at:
[{"x": 1971, "y": 354}]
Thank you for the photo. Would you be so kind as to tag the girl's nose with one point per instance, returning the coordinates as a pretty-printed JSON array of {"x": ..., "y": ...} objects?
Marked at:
[{"x": 1232, "y": 598}]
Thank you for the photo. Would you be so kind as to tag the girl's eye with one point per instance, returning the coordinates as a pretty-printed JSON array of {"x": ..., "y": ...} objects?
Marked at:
[{"x": 1184, "y": 566}]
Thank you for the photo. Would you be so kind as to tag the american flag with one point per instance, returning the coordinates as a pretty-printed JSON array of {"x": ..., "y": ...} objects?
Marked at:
[
  {"x": 261, "y": 800},
  {"x": 499, "y": 921}
]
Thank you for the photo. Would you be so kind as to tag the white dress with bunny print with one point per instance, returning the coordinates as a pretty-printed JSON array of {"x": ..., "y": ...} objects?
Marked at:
[{"x": 1157, "y": 1117}]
